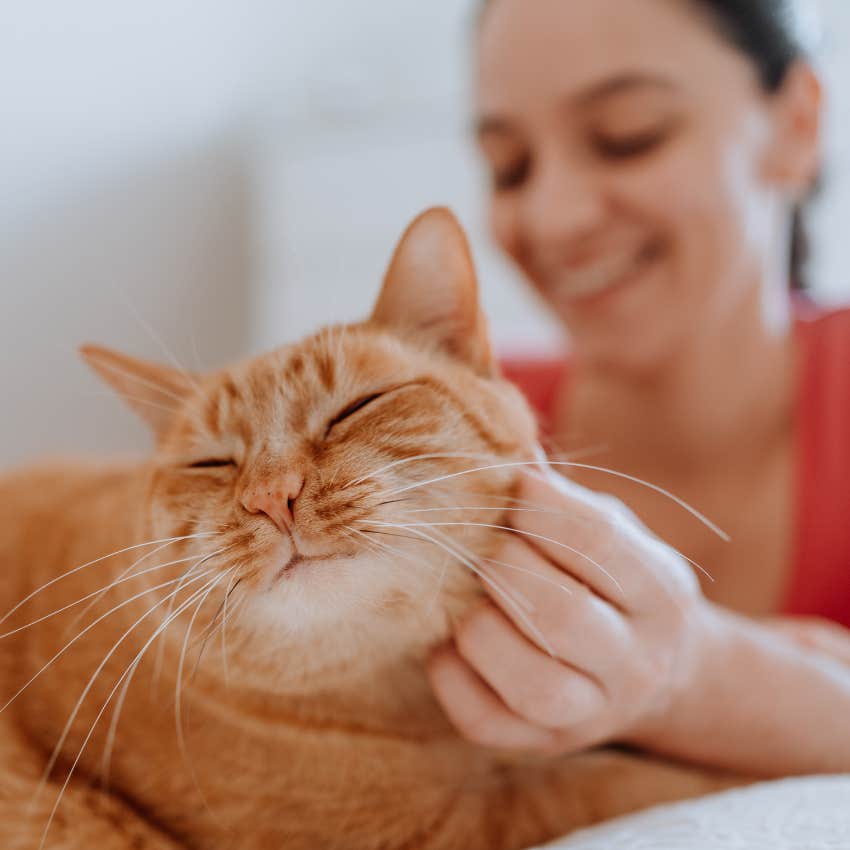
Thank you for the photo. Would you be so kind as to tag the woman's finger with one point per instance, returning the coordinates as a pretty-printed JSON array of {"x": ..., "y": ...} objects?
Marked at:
[
  {"x": 476, "y": 711},
  {"x": 558, "y": 613},
  {"x": 531, "y": 683},
  {"x": 598, "y": 540}
]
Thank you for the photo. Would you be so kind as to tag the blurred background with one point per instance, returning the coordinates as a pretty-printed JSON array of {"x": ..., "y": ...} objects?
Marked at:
[{"x": 203, "y": 180}]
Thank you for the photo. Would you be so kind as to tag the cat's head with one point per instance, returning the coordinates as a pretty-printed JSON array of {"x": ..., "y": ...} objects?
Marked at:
[{"x": 350, "y": 478}]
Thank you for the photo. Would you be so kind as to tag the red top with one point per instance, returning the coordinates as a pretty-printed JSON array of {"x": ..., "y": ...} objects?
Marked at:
[{"x": 819, "y": 584}]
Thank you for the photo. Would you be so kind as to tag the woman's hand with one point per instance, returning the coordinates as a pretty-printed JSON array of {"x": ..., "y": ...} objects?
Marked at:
[
  {"x": 815, "y": 634},
  {"x": 592, "y": 630}
]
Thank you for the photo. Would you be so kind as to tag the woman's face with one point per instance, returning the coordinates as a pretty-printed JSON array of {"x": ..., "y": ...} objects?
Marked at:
[{"x": 637, "y": 168}]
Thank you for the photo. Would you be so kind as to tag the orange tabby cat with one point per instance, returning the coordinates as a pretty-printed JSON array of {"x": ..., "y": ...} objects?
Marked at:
[{"x": 246, "y": 672}]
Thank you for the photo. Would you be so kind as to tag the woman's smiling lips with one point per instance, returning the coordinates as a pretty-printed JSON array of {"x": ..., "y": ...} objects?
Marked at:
[{"x": 590, "y": 283}]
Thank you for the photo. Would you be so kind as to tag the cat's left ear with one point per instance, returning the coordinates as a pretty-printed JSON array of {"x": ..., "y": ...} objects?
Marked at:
[
  {"x": 155, "y": 392},
  {"x": 430, "y": 291}
]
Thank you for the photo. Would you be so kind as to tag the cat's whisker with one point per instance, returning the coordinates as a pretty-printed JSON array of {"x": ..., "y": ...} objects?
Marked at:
[
  {"x": 129, "y": 569},
  {"x": 123, "y": 694},
  {"x": 61, "y": 743},
  {"x": 209, "y": 631},
  {"x": 223, "y": 629},
  {"x": 509, "y": 599},
  {"x": 519, "y": 598},
  {"x": 385, "y": 547},
  {"x": 158, "y": 340},
  {"x": 540, "y": 510},
  {"x": 498, "y": 509},
  {"x": 397, "y": 553},
  {"x": 87, "y": 629},
  {"x": 518, "y": 569},
  {"x": 389, "y": 533},
  {"x": 522, "y": 532},
  {"x": 392, "y": 502},
  {"x": 119, "y": 705},
  {"x": 97, "y": 593},
  {"x": 515, "y": 568},
  {"x": 538, "y": 463},
  {"x": 418, "y": 534},
  {"x": 178, "y": 690},
  {"x": 100, "y": 714},
  {"x": 413, "y": 458},
  {"x": 132, "y": 399},
  {"x": 152, "y": 385},
  {"x": 99, "y": 560},
  {"x": 160, "y": 655}
]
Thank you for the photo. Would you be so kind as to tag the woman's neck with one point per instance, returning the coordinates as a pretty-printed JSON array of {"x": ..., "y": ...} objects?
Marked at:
[{"x": 728, "y": 390}]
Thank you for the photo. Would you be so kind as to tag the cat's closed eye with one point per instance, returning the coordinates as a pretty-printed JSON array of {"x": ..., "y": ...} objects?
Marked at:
[
  {"x": 353, "y": 408},
  {"x": 212, "y": 463}
]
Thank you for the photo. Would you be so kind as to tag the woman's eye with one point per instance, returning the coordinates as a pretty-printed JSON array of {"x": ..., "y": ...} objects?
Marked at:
[
  {"x": 512, "y": 176},
  {"x": 212, "y": 463},
  {"x": 633, "y": 145},
  {"x": 352, "y": 409}
]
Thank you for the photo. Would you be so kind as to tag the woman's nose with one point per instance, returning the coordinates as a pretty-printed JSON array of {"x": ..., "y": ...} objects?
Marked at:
[
  {"x": 563, "y": 205},
  {"x": 275, "y": 497}
]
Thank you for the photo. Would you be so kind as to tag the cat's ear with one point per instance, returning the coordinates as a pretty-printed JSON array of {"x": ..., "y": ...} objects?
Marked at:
[
  {"x": 430, "y": 290},
  {"x": 155, "y": 392}
]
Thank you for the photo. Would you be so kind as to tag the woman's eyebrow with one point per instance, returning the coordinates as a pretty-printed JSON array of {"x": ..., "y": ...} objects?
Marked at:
[
  {"x": 622, "y": 83},
  {"x": 492, "y": 125},
  {"x": 497, "y": 125}
]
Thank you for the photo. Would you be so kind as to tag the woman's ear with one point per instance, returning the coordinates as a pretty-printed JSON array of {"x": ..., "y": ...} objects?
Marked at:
[
  {"x": 155, "y": 392},
  {"x": 430, "y": 291},
  {"x": 795, "y": 156}
]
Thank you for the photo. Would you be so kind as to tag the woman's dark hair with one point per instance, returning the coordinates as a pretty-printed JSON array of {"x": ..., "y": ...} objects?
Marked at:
[{"x": 770, "y": 33}]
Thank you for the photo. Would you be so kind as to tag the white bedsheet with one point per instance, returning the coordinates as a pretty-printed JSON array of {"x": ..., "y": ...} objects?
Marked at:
[{"x": 792, "y": 814}]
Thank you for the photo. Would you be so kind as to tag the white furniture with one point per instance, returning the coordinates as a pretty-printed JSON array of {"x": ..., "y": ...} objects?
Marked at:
[{"x": 793, "y": 814}]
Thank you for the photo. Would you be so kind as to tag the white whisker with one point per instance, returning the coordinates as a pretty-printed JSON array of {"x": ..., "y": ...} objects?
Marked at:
[
  {"x": 148, "y": 328},
  {"x": 113, "y": 726},
  {"x": 518, "y": 464},
  {"x": 514, "y": 531},
  {"x": 97, "y": 561},
  {"x": 430, "y": 456},
  {"x": 112, "y": 367},
  {"x": 98, "y": 593},
  {"x": 87, "y": 629},
  {"x": 100, "y": 714},
  {"x": 503, "y": 593}
]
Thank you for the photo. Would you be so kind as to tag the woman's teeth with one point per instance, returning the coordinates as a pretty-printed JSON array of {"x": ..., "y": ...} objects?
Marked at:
[{"x": 594, "y": 279}]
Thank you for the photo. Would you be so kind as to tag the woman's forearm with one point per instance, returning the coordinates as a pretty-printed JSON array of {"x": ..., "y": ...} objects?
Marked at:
[{"x": 762, "y": 705}]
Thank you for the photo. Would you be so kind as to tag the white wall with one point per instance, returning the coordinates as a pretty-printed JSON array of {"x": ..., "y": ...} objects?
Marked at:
[{"x": 233, "y": 174}]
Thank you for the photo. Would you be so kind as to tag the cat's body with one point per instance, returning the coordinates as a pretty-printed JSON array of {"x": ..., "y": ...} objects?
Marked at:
[{"x": 295, "y": 674}]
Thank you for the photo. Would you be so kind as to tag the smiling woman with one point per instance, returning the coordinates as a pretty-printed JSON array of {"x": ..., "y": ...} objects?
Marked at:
[{"x": 649, "y": 159}]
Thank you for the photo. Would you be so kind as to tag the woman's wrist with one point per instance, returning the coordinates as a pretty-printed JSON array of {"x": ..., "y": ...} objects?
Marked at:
[
  {"x": 686, "y": 706},
  {"x": 754, "y": 703}
]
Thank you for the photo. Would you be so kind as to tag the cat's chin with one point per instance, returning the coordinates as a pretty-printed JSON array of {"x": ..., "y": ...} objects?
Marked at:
[{"x": 341, "y": 605}]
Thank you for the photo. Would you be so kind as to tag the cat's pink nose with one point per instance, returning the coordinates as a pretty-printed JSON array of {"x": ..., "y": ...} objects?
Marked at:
[{"x": 275, "y": 497}]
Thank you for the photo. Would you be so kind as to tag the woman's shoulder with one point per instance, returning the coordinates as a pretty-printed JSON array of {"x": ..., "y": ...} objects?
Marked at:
[
  {"x": 821, "y": 585},
  {"x": 825, "y": 335},
  {"x": 538, "y": 376},
  {"x": 825, "y": 390},
  {"x": 827, "y": 330}
]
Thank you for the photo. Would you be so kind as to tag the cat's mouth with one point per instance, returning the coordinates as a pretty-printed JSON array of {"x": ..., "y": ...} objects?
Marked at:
[{"x": 298, "y": 560}]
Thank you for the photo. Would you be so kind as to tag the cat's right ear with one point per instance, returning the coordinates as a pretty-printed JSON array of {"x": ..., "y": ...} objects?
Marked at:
[
  {"x": 430, "y": 291},
  {"x": 153, "y": 391}
]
